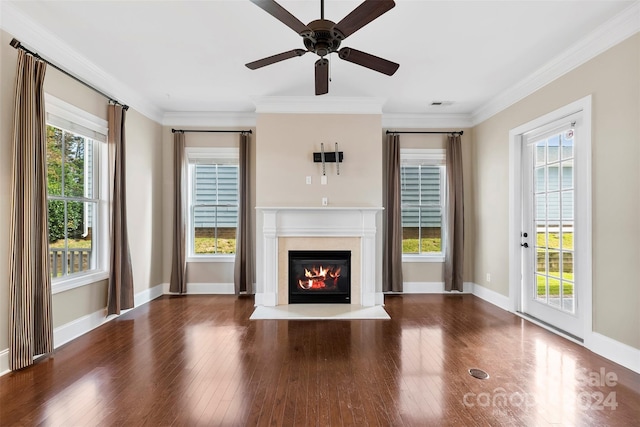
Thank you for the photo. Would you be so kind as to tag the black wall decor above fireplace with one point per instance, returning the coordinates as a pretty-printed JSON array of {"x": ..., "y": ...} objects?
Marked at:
[{"x": 319, "y": 277}]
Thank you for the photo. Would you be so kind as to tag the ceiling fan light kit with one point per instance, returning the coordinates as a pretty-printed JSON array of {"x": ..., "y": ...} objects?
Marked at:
[{"x": 324, "y": 37}]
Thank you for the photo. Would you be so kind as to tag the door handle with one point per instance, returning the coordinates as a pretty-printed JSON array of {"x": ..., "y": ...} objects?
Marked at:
[{"x": 526, "y": 245}]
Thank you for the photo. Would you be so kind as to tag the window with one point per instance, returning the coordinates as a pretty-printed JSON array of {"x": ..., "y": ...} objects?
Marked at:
[
  {"x": 422, "y": 181},
  {"x": 213, "y": 202},
  {"x": 76, "y": 195}
]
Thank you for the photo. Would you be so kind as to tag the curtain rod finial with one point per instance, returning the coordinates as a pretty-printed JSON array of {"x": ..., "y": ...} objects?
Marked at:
[{"x": 15, "y": 43}]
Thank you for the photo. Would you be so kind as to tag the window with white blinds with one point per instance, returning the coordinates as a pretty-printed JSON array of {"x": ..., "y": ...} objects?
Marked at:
[
  {"x": 422, "y": 181},
  {"x": 213, "y": 201}
]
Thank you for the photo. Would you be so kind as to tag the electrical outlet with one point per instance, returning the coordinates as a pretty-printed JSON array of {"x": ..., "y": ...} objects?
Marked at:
[
  {"x": 308, "y": 180},
  {"x": 325, "y": 202},
  {"x": 488, "y": 277}
]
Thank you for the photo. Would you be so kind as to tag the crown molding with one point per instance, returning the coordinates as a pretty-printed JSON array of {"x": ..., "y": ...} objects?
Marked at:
[
  {"x": 318, "y": 105},
  {"x": 426, "y": 120},
  {"x": 609, "y": 34},
  {"x": 209, "y": 119},
  {"x": 49, "y": 47}
]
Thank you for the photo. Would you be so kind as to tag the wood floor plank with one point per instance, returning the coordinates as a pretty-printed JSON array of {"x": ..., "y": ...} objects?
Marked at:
[{"x": 199, "y": 360}]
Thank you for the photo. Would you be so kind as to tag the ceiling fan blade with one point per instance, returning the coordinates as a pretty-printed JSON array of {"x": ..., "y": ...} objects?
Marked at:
[
  {"x": 373, "y": 62},
  {"x": 362, "y": 15},
  {"x": 282, "y": 15},
  {"x": 275, "y": 58},
  {"x": 322, "y": 76}
]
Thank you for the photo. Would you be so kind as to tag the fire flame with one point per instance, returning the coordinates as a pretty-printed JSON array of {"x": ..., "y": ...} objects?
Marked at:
[{"x": 320, "y": 278}]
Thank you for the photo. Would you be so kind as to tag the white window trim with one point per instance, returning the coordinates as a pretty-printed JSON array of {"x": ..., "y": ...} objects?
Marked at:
[
  {"x": 582, "y": 218},
  {"x": 69, "y": 117},
  {"x": 433, "y": 157},
  {"x": 193, "y": 154}
]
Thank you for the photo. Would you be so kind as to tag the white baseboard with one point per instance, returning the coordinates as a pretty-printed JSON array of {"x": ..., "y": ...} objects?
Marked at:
[
  {"x": 4, "y": 362},
  {"x": 210, "y": 288},
  {"x": 617, "y": 352},
  {"x": 80, "y": 326},
  {"x": 72, "y": 330},
  {"x": 147, "y": 295},
  {"x": 613, "y": 350},
  {"x": 205, "y": 289},
  {"x": 432, "y": 288},
  {"x": 492, "y": 296}
]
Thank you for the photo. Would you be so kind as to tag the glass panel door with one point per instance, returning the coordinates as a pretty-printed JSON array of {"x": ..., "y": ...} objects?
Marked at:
[{"x": 549, "y": 286}]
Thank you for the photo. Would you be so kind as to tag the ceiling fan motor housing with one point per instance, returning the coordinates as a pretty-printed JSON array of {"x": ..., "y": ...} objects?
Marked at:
[{"x": 324, "y": 39}]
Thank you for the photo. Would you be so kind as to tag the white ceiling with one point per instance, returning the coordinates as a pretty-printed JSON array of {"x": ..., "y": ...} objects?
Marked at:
[{"x": 189, "y": 56}]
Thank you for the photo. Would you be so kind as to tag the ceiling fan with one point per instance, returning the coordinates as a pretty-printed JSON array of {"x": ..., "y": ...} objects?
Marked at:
[{"x": 323, "y": 37}]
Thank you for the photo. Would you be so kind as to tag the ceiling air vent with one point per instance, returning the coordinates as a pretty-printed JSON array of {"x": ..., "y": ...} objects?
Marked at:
[{"x": 440, "y": 103}]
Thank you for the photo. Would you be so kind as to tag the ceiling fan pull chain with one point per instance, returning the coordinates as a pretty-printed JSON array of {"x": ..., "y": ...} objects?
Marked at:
[
  {"x": 337, "y": 159},
  {"x": 322, "y": 156}
]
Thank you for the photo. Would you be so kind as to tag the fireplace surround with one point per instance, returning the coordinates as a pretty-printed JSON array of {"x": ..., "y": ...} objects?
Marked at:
[{"x": 318, "y": 228}]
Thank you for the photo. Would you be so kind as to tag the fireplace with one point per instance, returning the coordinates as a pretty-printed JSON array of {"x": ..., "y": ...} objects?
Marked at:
[
  {"x": 317, "y": 276},
  {"x": 287, "y": 229}
]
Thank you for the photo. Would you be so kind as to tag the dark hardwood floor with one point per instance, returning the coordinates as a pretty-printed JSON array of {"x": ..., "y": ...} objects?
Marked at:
[{"x": 199, "y": 360}]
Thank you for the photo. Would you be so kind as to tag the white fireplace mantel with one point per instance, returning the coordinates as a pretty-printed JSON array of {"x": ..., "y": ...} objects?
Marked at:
[{"x": 280, "y": 222}]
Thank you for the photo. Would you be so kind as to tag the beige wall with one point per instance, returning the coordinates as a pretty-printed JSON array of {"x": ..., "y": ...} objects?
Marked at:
[
  {"x": 284, "y": 149},
  {"x": 143, "y": 199},
  {"x": 613, "y": 79},
  {"x": 421, "y": 272}
]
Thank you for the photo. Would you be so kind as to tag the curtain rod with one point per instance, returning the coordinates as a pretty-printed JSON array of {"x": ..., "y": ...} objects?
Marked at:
[
  {"x": 211, "y": 131},
  {"x": 458, "y": 132},
  {"x": 15, "y": 43}
]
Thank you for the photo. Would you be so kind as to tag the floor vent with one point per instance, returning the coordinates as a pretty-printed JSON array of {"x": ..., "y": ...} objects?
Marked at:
[{"x": 478, "y": 373}]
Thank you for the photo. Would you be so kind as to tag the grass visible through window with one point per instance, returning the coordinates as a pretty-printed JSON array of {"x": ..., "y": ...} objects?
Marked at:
[
  {"x": 207, "y": 245},
  {"x": 429, "y": 244}
]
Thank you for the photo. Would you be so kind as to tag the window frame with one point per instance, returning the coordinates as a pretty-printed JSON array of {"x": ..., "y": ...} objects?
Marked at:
[
  {"x": 193, "y": 154},
  {"x": 70, "y": 118},
  {"x": 429, "y": 157}
]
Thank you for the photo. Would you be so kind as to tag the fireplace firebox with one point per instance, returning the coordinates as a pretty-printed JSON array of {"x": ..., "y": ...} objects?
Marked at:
[{"x": 319, "y": 277}]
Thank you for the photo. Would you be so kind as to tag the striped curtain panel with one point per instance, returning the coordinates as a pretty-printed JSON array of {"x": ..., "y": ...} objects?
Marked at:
[
  {"x": 392, "y": 280},
  {"x": 120, "y": 290},
  {"x": 243, "y": 268},
  {"x": 30, "y": 321},
  {"x": 178, "y": 282},
  {"x": 454, "y": 248}
]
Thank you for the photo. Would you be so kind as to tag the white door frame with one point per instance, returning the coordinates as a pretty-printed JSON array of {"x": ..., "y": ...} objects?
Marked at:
[{"x": 583, "y": 207}]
